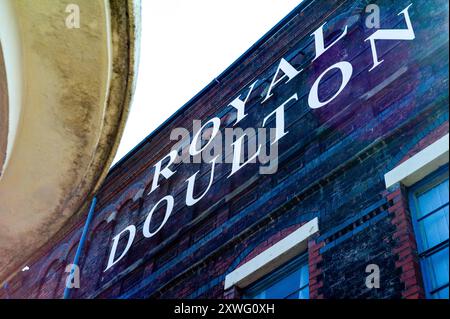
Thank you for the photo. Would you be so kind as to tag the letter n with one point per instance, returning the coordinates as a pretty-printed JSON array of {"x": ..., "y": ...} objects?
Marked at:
[{"x": 391, "y": 34}]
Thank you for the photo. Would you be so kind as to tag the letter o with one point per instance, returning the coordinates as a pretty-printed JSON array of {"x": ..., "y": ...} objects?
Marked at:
[
  {"x": 346, "y": 70},
  {"x": 146, "y": 228},
  {"x": 216, "y": 126}
]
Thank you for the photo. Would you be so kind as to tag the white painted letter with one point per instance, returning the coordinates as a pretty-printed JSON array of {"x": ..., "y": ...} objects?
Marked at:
[
  {"x": 288, "y": 70},
  {"x": 319, "y": 41},
  {"x": 196, "y": 140},
  {"x": 391, "y": 34},
  {"x": 190, "y": 200},
  {"x": 132, "y": 232},
  {"x": 237, "y": 149},
  {"x": 346, "y": 70},
  {"x": 239, "y": 105},
  {"x": 166, "y": 172},
  {"x": 169, "y": 208},
  {"x": 279, "y": 119}
]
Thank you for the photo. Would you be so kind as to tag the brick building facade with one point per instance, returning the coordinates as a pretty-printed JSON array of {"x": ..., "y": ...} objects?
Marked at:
[{"x": 338, "y": 196}]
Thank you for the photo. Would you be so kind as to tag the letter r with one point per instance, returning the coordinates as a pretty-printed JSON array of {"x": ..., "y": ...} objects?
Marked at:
[{"x": 166, "y": 172}]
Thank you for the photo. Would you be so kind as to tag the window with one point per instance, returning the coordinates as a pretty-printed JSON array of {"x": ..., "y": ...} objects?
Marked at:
[
  {"x": 429, "y": 207},
  {"x": 280, "y": 271},
  {"x": 290, "y": 281}
]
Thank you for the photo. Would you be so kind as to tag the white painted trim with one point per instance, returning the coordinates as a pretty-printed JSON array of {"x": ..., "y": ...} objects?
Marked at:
[
  {"x": 420, "y": 165},
  {"x": 284, "y": 250}
]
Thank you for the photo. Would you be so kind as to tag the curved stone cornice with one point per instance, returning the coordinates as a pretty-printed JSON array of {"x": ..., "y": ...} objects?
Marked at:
[{"x": 68, "y": 95}]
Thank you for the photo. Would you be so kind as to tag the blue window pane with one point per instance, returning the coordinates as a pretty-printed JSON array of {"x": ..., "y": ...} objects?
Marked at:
[
  {"x": 284, "y": 287},
  {"x": 436, "y": 267},
  {"x": 288, "y": 284},
  {"x": 261, "y": 295},
  {"x": 434, "y": 229},
  {"x": 441, "y": 294},
  {"x": 301, "y": 294},
  {"x": 431, "y": 221},
  {"x": 304, "y": 276},
  {"x": 290, "y": 281},
  {"x": 433, "y": 199},
  {"x": 443, "y": 192},
  {"x": 304, "y": 293}
]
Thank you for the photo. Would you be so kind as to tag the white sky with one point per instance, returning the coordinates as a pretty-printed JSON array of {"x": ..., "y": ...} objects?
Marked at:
[{"x": 185, "y": 44}]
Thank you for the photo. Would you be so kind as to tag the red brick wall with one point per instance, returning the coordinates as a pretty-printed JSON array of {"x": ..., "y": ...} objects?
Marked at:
[
  {"x": 315, "y": 272},
  {"x": 406, "y": 247}
]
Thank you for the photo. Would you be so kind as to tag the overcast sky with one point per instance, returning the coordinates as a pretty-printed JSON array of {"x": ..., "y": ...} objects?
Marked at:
[{"x": 185, "y": 44}]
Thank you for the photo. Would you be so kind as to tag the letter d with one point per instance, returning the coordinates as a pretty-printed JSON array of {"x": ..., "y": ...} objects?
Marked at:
[{"x": 111, "y": 262}]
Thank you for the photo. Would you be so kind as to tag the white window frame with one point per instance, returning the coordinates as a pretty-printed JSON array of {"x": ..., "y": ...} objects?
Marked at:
[
  {"x": 420, "y": 165},
  {"x": 273, "y": 257}
]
